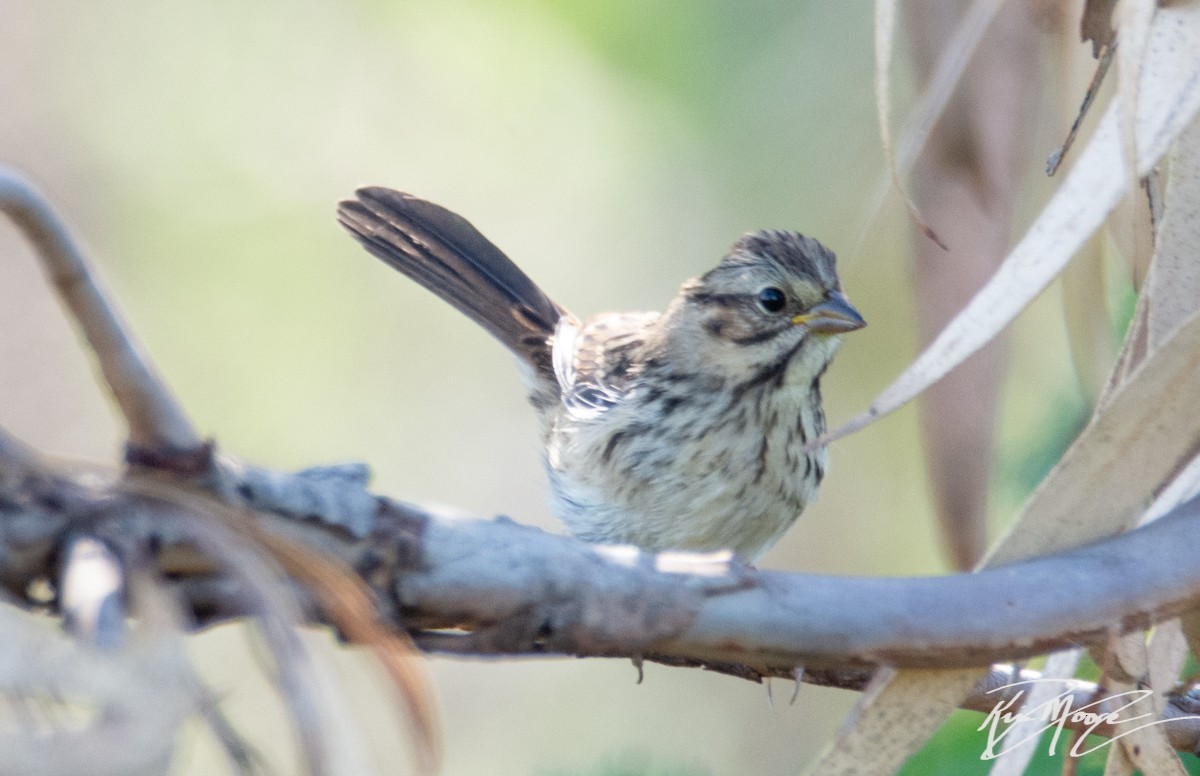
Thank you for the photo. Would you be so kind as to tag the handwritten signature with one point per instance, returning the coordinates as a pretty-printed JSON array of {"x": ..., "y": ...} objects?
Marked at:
[{"x": 1059, "y": 712}]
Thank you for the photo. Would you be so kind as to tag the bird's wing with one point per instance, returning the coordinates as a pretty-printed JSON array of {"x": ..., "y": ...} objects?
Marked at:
[
  {"x": 596, "y": 363},
  {"x": 442, "y": 251}
]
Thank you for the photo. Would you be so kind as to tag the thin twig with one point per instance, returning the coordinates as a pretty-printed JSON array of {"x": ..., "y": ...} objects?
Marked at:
[
  {"x": 206, "y": 524},
  {"x": 1056, "y": 159},
  {"x": 929, "y": 107},
  {"x": 155, "y": 420},
  {"x": 242, "y": 756}
]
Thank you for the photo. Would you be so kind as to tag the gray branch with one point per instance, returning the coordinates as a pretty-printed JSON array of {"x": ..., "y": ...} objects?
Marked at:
[
  {"x": 495, "y": 587},
  {"x": 499, "y": 588},
  {"x": 154, "y": 418}
]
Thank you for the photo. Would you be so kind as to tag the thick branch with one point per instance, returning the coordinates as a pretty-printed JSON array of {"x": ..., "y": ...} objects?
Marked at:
[
  {"x": 518, "y": 589},
  {"x": 524, "y": 589},
  {"x": 510, "y": 589}
]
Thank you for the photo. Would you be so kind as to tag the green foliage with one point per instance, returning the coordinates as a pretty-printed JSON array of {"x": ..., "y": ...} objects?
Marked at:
[
  {"x": 1021, "y": 469},
  {"x": 955, "y": 751}
]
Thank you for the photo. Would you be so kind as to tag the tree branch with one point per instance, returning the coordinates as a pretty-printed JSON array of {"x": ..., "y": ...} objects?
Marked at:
[
  {"x": 495, "y": 587},
  {"x": 475, "y": 587},
  {"x": 154, "y": 418}
]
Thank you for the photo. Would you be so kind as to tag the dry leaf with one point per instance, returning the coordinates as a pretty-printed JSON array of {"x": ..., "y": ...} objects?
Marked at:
[
  {"x": 1174, "y": 278},
  {"x": 1168, "y": 652},
  {"x": 1133, "y": 22},
  {"x": 1146, "y": 747},
  {"x": 931, "y": 104},
  {"x": 968, "y": 180},
  {"x": 1145, "y": 434},
  {"x": 1024, "y": 736},
  {"x": 885, "y": 32},
  {"x": 1171, "y": 293},
  {"x": 1148, "y": 430},
  {"x": 1089, "y": 96},
  {"x": 897, "y": 709},
  {"x": 1089, "y": 330},
  {"x": 347, "y": 601},
  {"x": 1096, "y": 24},
  {"x": 1132, "y": 232},
  {"x": 1169, "y": 101},
  {"x": 1118, "y": 763},
  {"x": 1190, "y": 625}
]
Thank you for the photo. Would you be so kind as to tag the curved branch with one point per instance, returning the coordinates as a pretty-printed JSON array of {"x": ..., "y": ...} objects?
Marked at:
[
  {"x": 525, "y": 590},
  {"x": 516, "y": 589},
  {"x": 511, "y": 589},
  {"x": 154, "y": 418}
]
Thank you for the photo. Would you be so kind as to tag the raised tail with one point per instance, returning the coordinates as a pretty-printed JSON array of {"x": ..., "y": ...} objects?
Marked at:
[{"x": 442, "y": 251}]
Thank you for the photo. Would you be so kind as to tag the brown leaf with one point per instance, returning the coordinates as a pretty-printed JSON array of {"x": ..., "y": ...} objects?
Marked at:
[
  {"x": 1096, "y": 24},
  {"x": 347, "y": 601},
  {"x": 885, "y": 32},
  {"x": 1145, "y": 748},
  {"x": 1167, "y": 105},
  {"x": 968, "y": 179}
]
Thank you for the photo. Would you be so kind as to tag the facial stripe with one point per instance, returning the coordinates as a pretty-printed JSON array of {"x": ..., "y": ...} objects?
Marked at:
[
  {"x": 758, "y": 337},
  {"x": 724, "y": 300}
]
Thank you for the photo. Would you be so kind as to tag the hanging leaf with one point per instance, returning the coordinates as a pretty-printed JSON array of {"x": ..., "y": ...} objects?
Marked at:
[
  {"x": 1096, "y": 24},
  {"x": 885, "y": 32},
  {"x": 1169, "y": 100},
  {"x": 1148, "y": 430},
  {"x": 968, "y": 180}
]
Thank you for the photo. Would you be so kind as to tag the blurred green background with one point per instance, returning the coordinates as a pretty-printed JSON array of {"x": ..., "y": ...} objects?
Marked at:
[{"x": 613, "y": 150}]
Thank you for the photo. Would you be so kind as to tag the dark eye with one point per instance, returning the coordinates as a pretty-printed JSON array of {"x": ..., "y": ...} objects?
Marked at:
[{"x": 772, "y": 299}]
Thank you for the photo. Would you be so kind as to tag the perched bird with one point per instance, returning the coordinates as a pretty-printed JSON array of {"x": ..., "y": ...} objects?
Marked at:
[{"x": 684, "y": 430}]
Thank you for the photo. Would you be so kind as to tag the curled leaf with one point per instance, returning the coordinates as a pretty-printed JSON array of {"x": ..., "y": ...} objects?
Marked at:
[
  {"x": 1169, "y": 100},
  {"x": 885, "y": 32}
]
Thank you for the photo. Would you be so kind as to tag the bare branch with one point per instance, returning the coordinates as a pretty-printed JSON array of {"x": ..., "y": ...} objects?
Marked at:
[
  {"x": 495, "y": 587},
  {"x": 509, "y": 589},
  {"x": 206, "y": 524},
  {"x": 154, "y": 418},
  {"x": 516, "y": 589},
  {"x": 526, "y": 591}
]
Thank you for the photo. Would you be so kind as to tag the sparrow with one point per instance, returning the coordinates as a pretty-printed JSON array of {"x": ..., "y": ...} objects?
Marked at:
[{"x": 682, "y": 430}]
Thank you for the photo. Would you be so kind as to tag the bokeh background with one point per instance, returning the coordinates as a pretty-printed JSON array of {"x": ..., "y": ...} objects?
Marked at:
[{"x": 613, "y": 149}]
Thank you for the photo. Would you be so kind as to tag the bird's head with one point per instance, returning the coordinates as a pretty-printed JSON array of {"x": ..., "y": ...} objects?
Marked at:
[{"x": 774, "y": 298}]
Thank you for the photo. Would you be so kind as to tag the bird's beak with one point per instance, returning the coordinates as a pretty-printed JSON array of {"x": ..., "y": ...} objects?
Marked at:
[{"x": 833, "y": 316}]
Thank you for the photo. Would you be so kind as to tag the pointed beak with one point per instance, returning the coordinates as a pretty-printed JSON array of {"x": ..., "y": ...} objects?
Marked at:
[{"x": 833, "y": 316}]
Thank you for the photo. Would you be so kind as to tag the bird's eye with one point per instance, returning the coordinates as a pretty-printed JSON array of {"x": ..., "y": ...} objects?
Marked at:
[{"x": 771, "y": 299}]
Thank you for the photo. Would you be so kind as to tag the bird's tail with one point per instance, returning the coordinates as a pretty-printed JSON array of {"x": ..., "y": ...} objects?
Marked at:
[{"x": 442, "y": 251}]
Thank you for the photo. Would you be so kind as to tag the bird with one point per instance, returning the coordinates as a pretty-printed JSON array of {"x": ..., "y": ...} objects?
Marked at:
[{"x": 686, "y": 430}]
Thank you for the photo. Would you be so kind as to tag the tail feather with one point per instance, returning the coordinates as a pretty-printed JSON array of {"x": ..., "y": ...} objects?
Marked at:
[{"x": 443, "y": 252}]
